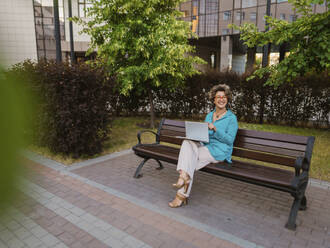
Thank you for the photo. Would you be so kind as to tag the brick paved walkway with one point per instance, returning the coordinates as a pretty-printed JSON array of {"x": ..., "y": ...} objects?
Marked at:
[{"x": 100, "y": 204}]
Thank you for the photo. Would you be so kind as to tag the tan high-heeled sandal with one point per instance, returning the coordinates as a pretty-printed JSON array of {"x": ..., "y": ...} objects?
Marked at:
[
  {"x": 183, "y": 181},
  {"x": 178, "y": 201}
]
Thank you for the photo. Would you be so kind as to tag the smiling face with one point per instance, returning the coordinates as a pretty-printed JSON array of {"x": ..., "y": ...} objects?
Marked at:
[{"x": 220, "y": 100}]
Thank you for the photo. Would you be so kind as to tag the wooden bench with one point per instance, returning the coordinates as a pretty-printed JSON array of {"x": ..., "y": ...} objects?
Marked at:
[{"x": 281, "y": 149}]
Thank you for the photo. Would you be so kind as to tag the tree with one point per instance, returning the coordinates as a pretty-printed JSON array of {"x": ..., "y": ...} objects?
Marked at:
[
  {"x": 144, "y": 43},
  {"x": 308, "y": 38}
]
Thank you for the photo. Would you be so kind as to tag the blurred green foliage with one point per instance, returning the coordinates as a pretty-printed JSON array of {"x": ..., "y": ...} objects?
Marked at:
[
  {"x": 308, "y": 37},
  {"x": 14, "y": 107}
]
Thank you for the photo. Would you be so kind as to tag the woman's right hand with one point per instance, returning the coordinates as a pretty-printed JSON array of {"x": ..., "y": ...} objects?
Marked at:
[{"x": 212, "y": 127}]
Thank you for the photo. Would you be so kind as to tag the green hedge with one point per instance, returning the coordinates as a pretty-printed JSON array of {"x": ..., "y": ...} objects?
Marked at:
[
  {"x": 297, "y": 103},
  {"x": 304, "y": 99},
  {"x": 75, "y": 104},
  {"x": 72, "y": 114}
]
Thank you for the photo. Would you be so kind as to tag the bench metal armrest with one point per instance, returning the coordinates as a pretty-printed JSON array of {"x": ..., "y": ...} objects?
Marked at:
[
  {"x": 300, "y": 180},
  {"x": 301, "y": 164},
  {"x": 146, "y": 131}
]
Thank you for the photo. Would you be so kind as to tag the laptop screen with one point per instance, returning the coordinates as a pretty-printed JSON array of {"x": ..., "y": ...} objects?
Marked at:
[{"x": 197, "y": 131}]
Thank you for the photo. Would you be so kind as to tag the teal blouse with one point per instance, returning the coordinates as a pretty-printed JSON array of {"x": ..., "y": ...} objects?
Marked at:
[{"x": 221, "y": 142}]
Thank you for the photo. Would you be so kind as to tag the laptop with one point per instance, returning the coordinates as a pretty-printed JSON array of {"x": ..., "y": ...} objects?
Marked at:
[{"x": 196, "y": 131}]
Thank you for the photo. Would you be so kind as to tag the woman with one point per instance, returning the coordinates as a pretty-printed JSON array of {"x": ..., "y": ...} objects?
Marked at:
[{"x": 194, "y": 156}]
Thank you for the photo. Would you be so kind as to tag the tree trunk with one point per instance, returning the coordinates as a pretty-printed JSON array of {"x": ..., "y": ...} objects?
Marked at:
[
  {"x": 282, "y": 52},
  {"x": 262, "y": 108},
  {"x": 152, "y": 110},
  {"x": 251, "y": 59}
]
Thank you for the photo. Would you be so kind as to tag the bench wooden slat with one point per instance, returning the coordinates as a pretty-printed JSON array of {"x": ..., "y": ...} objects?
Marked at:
[
  {"x": 264, "y": 157},
  {"x": 167, "y": 153},
  {"x": 170, "y": 139},
  {"x": 174, "y": 123},
  {"x": 243, "y": 139},
  {"x": 173, "y": 128},
  {"x": 273, "y": 136},
  {"x": 238, "y": 168},
  {"x": 171, "y": 133},
  {"x": 254, "y": 172},
  {"x": 274, "y": 150}
]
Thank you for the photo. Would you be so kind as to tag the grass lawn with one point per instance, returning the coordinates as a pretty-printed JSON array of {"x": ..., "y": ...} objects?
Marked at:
[{"x": 124, "y": 130}]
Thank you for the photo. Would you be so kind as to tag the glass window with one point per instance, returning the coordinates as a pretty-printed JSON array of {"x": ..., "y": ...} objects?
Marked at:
[
  {"x": 212, "y": 6},
  {"x": 225, "y": 31},
  {"x": 211, "y": 25},
  {"x": 202, "y": 7},
  {"x": 83, "y": 5},
  {"x": 282, "y": 16},
  {"x": 240, "y": 15},
  {"x": 226, "y": 15},
  {"x": 292, "y": 18},
  {"x": 249, "y": 3},
  {"x": 281, "y": 1},
  {"x": 213, "y": 57},
  {"x": 253, "y": 16}
]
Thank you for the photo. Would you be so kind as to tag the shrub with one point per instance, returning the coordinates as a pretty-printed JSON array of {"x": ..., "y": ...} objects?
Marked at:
[
  {"x": 305, "y": 99},
  {"x": 73, "y": 114}
]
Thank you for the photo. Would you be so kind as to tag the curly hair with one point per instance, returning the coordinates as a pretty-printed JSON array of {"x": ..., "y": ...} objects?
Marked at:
[{"x": 220, "y": 87}]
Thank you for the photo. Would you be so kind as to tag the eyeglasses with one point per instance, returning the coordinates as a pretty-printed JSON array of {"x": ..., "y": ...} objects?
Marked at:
[{"x": 221, "y": 97}]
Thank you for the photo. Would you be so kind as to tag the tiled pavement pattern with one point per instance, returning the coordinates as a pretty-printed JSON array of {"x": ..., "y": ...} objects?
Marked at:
[
  {"x": 100, "y": 204},
  {"x": 250, "y": 212},
  {"x": 71, "y": 213}
]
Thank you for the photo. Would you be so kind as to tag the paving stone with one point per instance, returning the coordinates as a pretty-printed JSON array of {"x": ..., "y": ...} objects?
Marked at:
[
  {"x": 61, "y": 245},
  {"x": 99, "y": 234},
  {"x": 62, "y": 212},
  {"x": 312, "y": 244},
  {"x": 3, "y": 245},
  {"x": 113, "y": 242},
  {"x": 114, "y": 232},
  {"x": 70, "y": 228},
  {"x": 77, "y": 211},
  {"x": 152, "y": 240},
  {"x": 50, "y": 240},
  {"x": 77, "y": 244},
  {"x": 97, "y": 244},
  {"x": 132, "y": 242},
  {"x": 67, "y": 238},
  {"x": 55, "y": 229},
  {"x": 2, "y": 227},
  {"x": 6, "y": 235},
  {"x": 32, "y": 241},
  {"x": 38, "y": 232},
  {"x": 22, "y": 233},
  {"x": 13, "y": 225},
  {"x": 15, "y": 243}
]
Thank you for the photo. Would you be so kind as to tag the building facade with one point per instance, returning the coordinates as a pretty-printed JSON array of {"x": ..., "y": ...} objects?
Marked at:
[
  {"x": 44, "y": 25},
  {"x": 218, "y": 44},
  {"x": 17, "y": 32},
  {"x": 27, "y": 29}
]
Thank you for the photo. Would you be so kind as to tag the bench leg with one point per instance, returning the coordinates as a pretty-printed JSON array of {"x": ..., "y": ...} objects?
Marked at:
[
  {"x": 299, "y": 203},
  {"x": 160, "y": 165},
  {"x": 303, "y": 204},
  {"x": 137, "y": 172},
  {"x": 291, "y": 224}
]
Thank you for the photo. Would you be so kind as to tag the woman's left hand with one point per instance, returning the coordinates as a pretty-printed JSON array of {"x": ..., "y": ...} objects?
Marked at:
[{"x": 212, "y": 127}]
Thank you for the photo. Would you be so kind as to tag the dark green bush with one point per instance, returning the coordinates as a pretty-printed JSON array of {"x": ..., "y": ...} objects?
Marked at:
[
  {"x": 72, "y": 115},
  {"x": 306, "y": 99}
]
